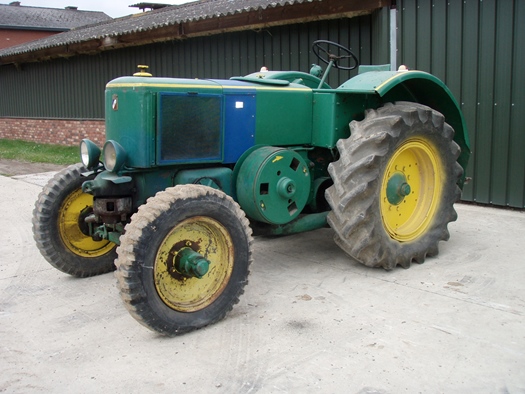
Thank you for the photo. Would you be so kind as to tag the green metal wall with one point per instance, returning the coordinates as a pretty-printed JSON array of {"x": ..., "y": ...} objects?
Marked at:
[
  {"x": 74, "y": 87},
  {"x": 477, "y": 47}
]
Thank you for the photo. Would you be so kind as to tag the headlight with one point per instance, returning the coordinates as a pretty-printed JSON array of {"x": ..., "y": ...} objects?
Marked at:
[
  {"x": 89, "y": 154},
  {"x": 114, "y": 156}
]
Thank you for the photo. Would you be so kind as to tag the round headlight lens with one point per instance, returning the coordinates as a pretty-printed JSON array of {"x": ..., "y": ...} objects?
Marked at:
[
  {"x": 114, "y": 156},
  {"x": 89, "y": 154}
]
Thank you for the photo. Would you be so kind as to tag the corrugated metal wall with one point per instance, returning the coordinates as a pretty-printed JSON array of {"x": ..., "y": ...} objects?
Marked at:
[
  {"x": 74, "y": 87},
  {"x": 477, "y": 47}
]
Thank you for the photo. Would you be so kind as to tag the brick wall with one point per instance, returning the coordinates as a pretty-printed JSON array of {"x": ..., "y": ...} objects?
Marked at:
[
  {"x": 12, "y": 37},
  {"x": 53, "y": 131}
]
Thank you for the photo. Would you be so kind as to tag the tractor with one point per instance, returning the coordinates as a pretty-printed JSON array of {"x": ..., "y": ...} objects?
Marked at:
[{"x": 193, "y": 169}]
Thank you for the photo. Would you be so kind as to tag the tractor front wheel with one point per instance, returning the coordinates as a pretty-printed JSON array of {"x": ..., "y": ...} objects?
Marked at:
[
  {"x": 184, "y": 259},
  {"x": 394, "y": 186},
  {"x": 59, "y": 229}
]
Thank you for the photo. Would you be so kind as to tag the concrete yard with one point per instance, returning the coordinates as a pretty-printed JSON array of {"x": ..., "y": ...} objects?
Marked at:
[{"x": 311, "y": 319}]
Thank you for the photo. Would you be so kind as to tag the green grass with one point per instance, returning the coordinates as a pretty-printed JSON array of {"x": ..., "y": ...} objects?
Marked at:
[{"x": 38, "y": 153}]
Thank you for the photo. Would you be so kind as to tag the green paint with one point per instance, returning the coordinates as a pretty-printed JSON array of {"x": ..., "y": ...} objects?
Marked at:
[
  {"x": 273, "y": 185},
  {"x": 419, "y": 87},
  {"x": 303, "y": 223},
  {"x": 131, "y": 112},
  {"x": 295, "y": 77},
  {"x": 295, "y": 134},
  {"x": 216, "y": 177},
  {"x": 397, "y": 188},
  {"x": 333, "y": 113},
  {"x": 191, "y": 263},
  {"x": 284, "y": 116}
]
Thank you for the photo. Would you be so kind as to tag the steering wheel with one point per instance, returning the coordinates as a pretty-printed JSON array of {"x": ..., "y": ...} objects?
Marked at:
[{"x": 341, "y": 53}]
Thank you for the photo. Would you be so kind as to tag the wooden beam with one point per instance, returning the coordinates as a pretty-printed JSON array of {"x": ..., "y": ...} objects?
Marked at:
[{"x": 252, "y": 20}]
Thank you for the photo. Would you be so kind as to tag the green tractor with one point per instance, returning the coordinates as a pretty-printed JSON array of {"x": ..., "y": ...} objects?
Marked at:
[{"x": 193, "y": 168}]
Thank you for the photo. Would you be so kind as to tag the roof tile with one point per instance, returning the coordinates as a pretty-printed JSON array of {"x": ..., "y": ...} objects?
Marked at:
[
  {"x": 147, "y": 21},
  {"x": 34, "y": 18}
]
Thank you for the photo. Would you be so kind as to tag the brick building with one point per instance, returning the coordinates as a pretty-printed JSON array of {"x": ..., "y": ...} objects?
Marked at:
[{"x": 20, "y": 24}]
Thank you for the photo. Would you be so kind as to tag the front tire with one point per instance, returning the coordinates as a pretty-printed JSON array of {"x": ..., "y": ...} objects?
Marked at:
[
  {"x": 59, "y": 229},
  {"x": 194, "y": 218},
  {"x": 394, "y": 186}
]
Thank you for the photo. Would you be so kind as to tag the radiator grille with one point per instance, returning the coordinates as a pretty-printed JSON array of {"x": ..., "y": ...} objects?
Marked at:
[{"x": 189, "y": 128}]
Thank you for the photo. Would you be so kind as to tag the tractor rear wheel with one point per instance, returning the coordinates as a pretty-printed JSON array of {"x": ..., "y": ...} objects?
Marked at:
[
  {"x": 59, "y": 229},
  {"x": 184, "y": 259},
  {"x": 395, "y": 184}
]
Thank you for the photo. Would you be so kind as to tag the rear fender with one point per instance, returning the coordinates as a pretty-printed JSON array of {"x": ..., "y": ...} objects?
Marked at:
[{"x": 419, "y": 87}]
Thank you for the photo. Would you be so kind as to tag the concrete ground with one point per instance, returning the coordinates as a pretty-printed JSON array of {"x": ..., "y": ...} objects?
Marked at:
[{"x": 311, "y": 320}]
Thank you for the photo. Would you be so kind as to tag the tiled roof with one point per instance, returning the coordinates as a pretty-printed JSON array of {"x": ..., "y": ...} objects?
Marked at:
[
  {"x": 39, "y": 18},
  {"x": 165, "y": 17},
  {"x": 146, "y": 21}
]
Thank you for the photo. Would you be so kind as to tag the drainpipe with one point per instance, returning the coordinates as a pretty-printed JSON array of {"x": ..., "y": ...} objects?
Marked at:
[{"x": 393, "y": 36}]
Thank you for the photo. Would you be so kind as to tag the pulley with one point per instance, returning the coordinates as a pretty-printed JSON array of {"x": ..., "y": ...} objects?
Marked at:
[{"x": 273, "y": 185}]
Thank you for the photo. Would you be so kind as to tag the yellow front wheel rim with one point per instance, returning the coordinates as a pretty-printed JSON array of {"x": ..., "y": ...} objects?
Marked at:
[
  {"x": 207, "y": 237},
  {"x": 411, "y": 189},
  {"x": 70, "y": 230}
]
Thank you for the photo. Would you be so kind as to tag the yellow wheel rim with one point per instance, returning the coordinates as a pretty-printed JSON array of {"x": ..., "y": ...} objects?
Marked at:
[
  {"x": 76, "y": 240},
  {"x": 411, "y": 189},
  {"x": 207, "y": 237}
]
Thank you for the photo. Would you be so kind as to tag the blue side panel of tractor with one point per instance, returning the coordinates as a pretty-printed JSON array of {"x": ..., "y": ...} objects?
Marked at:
[{"x": 239, "y": 124}]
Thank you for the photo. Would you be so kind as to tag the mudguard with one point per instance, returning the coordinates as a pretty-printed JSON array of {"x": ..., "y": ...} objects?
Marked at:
[{"x": 419, "y": 87}]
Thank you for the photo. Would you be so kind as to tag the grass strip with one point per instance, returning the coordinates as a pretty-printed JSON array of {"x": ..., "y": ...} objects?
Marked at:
[{"x": 34, "y": 152}]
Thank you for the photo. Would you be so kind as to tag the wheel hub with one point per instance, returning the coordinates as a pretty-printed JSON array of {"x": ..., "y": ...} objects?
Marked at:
[
  {"x": 191, "y": 263},
  {"x": 397, "y": 188},
  {"x": 411, "y": 189},
  {"x": 73, "y": 229},
  {"x": 82, "y": 224}
]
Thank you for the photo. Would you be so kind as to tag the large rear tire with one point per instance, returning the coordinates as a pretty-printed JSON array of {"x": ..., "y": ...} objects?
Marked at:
[
  {"x": 59, "y": 229},
  {"x": 395, "y": 184},
  {"x": 192, "y": 219}
]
